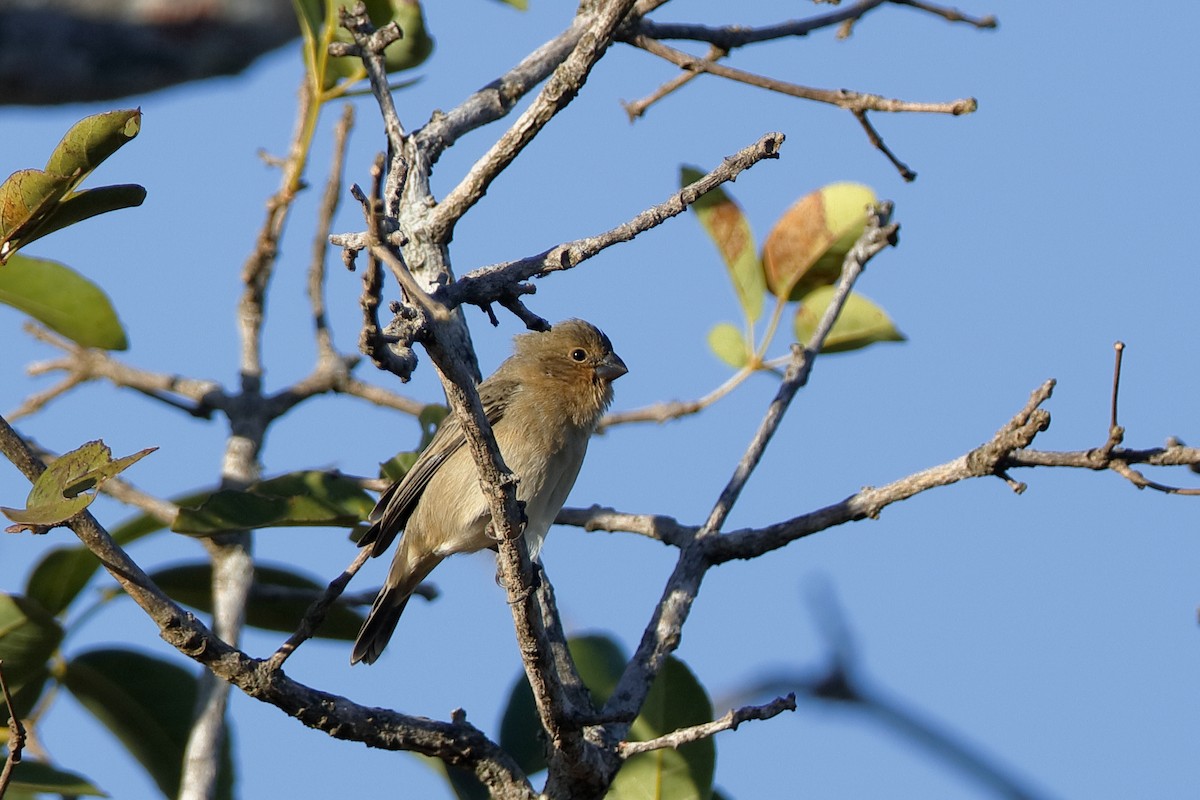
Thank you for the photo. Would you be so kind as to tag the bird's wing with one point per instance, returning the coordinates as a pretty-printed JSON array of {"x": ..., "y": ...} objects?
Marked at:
[{"x": 396, "y": 504}]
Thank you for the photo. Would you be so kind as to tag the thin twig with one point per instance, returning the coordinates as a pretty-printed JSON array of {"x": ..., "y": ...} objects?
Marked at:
[
  {"x": 675, "y": 409},
  {"x": 730, "y": 37},
  {"x": 637, "y": 108},
  {"x": 877, "y": 142},
  {"x": 730, "y": 721},
  {"x": 1118, "y": 352},
  {"x": 316, "y": 612},
  {"x": 950, "y": 14}
]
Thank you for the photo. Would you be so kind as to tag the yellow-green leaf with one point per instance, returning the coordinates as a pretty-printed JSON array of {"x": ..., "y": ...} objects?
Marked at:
[
  {"x": 806, "y": 247},
  {"x": 729, "y": 229},
  {"x": 61, "y": 491},
  {"x": 27, "y": 198},
  {"x": 860, "y": 323},
  {"x": 91, "y": 140},
  {"x": 727, "y": 342},
  {"x": 62, "y": 300}
]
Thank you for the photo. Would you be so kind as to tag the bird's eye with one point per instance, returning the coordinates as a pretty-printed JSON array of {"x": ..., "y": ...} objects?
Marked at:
[{"x": 578, "y": 354}]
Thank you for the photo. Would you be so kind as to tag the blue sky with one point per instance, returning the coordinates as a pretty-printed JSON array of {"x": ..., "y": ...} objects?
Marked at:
[{"x": 1055, "y": 630}]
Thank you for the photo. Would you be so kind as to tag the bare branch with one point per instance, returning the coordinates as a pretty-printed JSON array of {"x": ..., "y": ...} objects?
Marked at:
[
  {"x": 654, "y": 526},
  {"x": 950, "y": 14},
  {"x": 877, "y": 141},
  {"x": 558, "y": 92},
  {"x": 842, "y": 98},
  {"x": 732, "y": 719},
  {"x": 316, "y": 612},
  {"x": 637, "y": 108},
  {"x": 84, "y": 364},
  {"x": 488, "y": 284}
]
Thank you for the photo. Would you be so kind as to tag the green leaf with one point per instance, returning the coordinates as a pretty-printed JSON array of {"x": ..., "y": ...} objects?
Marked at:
[
  {"x": 59, "y": 493},
  {"x": 727, "y": 343},
  {"x": 277, "y": 602},
  {"x": 676, "y": 700},
  {"x": 59, "y": 576},
  {"x": 91, "y": 140},
  {"x": 62, "y": 300},
  {"x": 29, "y": 635},
  {"x": 36, "y": 777},
  {"x": 30, "y": 204},
  {"x": 89, "y": 203},
  {"x": 729, "y": 229},
  {"x": 806, "y": 247},
  {"x": 147, "y": 703},
  {"x": 860, "y": 323},
  {"x": 600, "y": 662},
  {"x": 311, "y": 497}
]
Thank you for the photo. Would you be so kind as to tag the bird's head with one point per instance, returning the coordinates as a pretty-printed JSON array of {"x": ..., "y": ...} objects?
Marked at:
[{"x": 575, "y": 361}]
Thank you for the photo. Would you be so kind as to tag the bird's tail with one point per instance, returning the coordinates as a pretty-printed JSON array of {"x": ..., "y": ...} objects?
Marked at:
[
  {"x": 406, "y": 574},
  {"x": 379, "y": 627}
]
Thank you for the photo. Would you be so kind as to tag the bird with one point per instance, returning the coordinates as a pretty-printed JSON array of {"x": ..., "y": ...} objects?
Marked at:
[{"x": 543, "y": 403}]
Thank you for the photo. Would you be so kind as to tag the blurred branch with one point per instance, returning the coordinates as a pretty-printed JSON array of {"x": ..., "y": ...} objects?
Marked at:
[
  {"x": 730, "y": 37},
  {"x": 61, "y": 51},
  {"x": 320, "y": 245}
]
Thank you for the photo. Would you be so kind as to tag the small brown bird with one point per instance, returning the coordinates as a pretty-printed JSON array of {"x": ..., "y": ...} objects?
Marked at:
[{"x": 543, "y": 404}]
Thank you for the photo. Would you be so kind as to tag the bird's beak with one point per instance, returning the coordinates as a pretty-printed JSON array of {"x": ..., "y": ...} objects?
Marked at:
[{"x": 611, "y": 368}]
